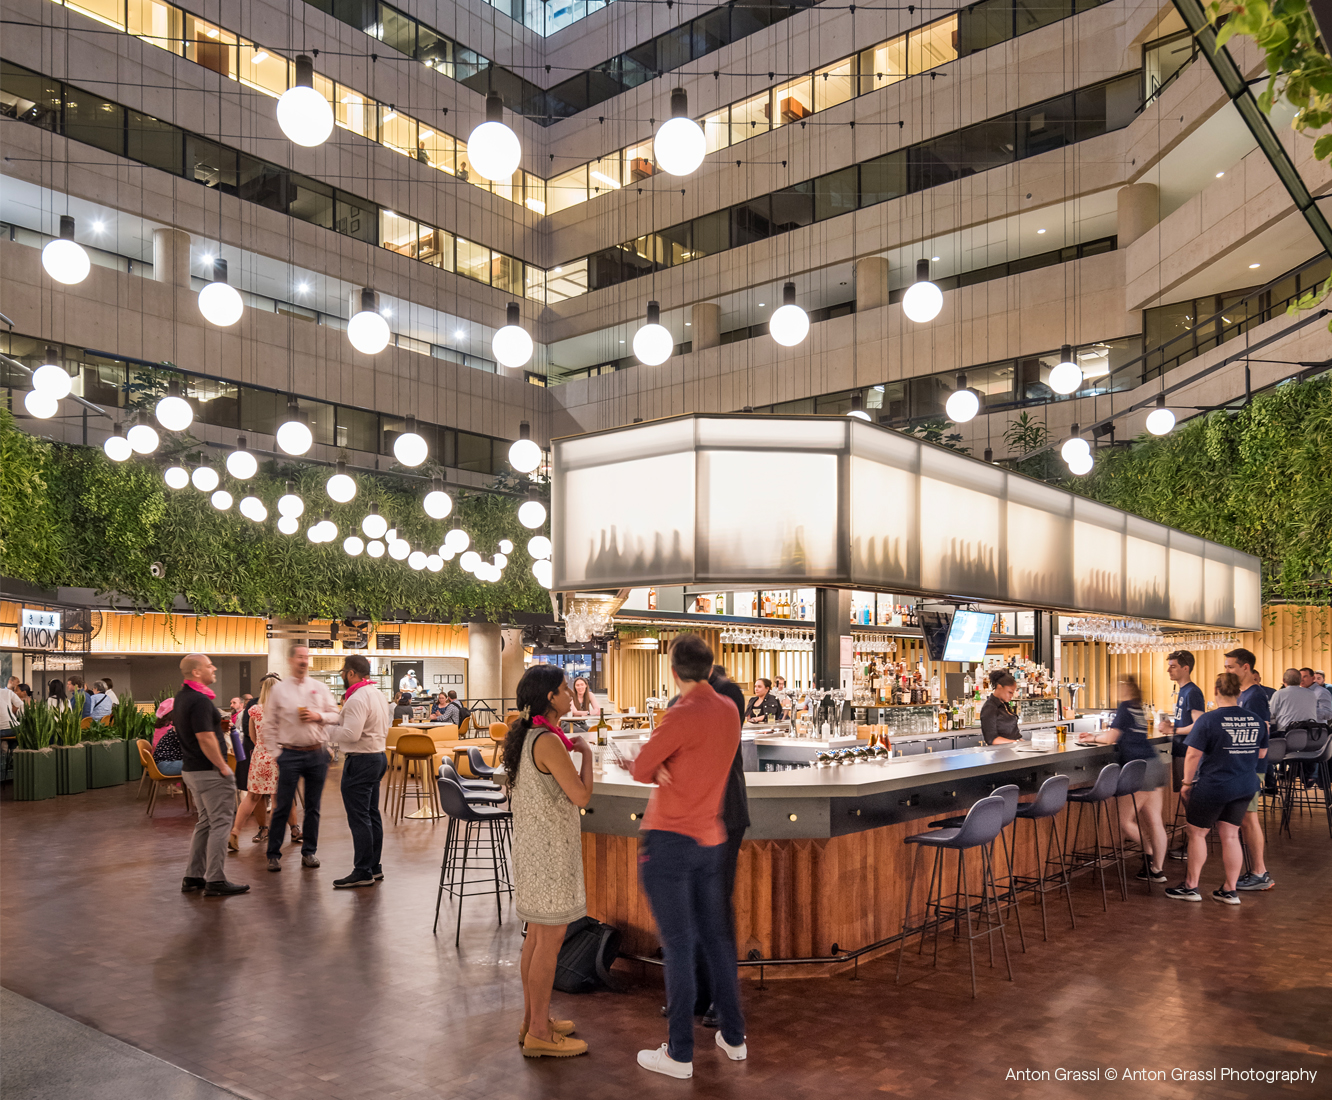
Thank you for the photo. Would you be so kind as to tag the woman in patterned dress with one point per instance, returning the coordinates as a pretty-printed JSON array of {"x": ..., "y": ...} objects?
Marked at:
[{"x": 262, "y": 778}]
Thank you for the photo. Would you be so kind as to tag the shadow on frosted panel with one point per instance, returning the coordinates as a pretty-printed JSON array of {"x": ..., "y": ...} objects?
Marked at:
[
  {"x": 881, "y": 560},
  {"x": 1039, "y": 586},
  {"x": 970, "y": 569},
  {"x": 727, "y": 558},
  {"x": 1148, "y": 598},
  {"x": 634, "y": 557},
  {"x": 1100, "y": 590}
]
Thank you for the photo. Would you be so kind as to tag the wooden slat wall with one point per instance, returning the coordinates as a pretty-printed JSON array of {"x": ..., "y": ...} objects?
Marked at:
[
  {"x": 417, "y": 640},
  {"x": 124, "y": 632}
]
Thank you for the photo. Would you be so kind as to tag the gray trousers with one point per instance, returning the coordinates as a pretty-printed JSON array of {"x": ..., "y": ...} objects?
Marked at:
[{"x": 215, "y": 803}]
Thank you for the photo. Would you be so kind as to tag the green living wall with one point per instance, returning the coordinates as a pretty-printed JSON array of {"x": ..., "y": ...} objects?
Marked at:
[
  {"x": 1259, "y": 479},
  {"x": 69, "y": 516}
]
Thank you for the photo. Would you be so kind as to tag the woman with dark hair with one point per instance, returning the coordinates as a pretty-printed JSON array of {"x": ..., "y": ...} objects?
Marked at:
[
  {"x": 56, "y": 697},
  {"x": 546, "y": 793},
  {"x": 998, "y": 717},
  {"x": 404, "y": 711}
]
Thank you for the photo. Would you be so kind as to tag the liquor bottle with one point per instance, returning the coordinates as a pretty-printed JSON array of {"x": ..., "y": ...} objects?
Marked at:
[
  {"x": 754, "y": 606},
  {"x": 652, "y": 599},
  {"x": 767, "y": 605},
  {"x": 721, "y": 603},
  {"x": 785, "y": 611},
  {"x": 601, "y": 728}
]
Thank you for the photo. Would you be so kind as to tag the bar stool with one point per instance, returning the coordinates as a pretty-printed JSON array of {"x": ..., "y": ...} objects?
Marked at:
[
  {"x": 1049, "y": 802},
  {"x": 478, "y": 792},
  {"x": 459, "y": 856},
  {"x": 979, "y": 828},
  {"x": 479, "y": 765},
  {"x": 1274, "y": 797},
  {"x": 1131, "y": 778},
  {"x": 416, "y": 751},
  {"x": 1010, "y": 794},
  {"x": 1095, "y": 796},
  {"x": 1303, "y": 746}
]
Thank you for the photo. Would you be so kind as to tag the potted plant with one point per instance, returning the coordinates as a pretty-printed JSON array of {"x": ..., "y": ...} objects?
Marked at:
[
  {"x": 71, "y": 755},
  {"x": 106, "y": 756},
  {"x": 34, "y": 759},
  {"x": 130, "y": 726}
]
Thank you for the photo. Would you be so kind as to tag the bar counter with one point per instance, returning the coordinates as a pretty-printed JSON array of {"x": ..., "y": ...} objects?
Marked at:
[{"x": 823, "y": 868}]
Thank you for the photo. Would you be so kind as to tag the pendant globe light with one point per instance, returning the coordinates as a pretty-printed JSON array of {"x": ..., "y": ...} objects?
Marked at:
[
  {"x": 374, "y": 525},
  {"x": 457, "y": 540},
  {"x": 399, "y": 549},
  {"x": 544, "y": 572},
  {"x": 173, "y": 411},
  {"x": 409, "y": 448},
  {"x": 1066, "y": 375},
  {"x": 341, "y": 486},
  {"x": 531, "y": 513},
  {"x": 653, "y": 342},
  {"x": 353, "y": 545},
  {"x": 789, "y": 324},
  {"x": 293, "y": 434},
  {"x": 221, "y": 500},
  {"x": 40, "y": 405},
  {"x": 499, "y": 560},
  {"x": 858, "y": 407},
  {"x": 253, "y": 508},
  {"x": 437, "y": 503},
  {"x": 305, "y": 116},
  {"x": 289, "y": 504},
  {"x": 288, "y": 525},
  {"x": 219, "y": 301},
  {"x": 367, "y": 330},
  {"x": 205, "y": 478},
  {"x": 375, "y": 548},
  {"x": 51, "y": 378},
  {"x": 142, "y": 438},
  {"x": 506, "y": 547},
  {"x": 680, "y": 144},
  {"x": 539, "y": 547},
  {"x": 1080, "y": 464},
  {"x": 963, "y": 404},
  {"x": 118, "y": 448},
  {"x": 434, "y": 563},
  {"x": 922, "y": 300},
  {"x": 176, "y": 477},
  {"x": 512, "y": 345},
  {"x": 469, "y": 561},
  {"x": 417, "y": 559},
  {"x": 492, "y": 147},
  {"x": 65, "y": 260},
  {"x": 1160, "y": 420},
  {"x": 1075, "y": 445},
  {"x": 524, "y": 454},
  {"x": 240, "y": 463}
]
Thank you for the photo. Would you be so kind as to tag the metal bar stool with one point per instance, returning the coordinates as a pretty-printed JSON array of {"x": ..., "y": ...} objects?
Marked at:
[
  {"x": 478, "y": 793},
  {"x": 982, "y": 824},
  {"x": 470, "y": 855},
  {"x": 1131, "y": 778},
  {"x": 1309, "y": 745},
  {"x": 1009, "y": 793},
  {"x": 1271, "y": 792},
  {"x": 1049, "y": 802},
  {"x": 1097, "y": 856}
]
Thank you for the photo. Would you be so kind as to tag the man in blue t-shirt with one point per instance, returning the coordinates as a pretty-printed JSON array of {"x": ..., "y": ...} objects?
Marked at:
[
  {"x": 1226, "y": 748},
  {"x": 1189, "y": 707},
  {"x": 1254, "y": 698}
]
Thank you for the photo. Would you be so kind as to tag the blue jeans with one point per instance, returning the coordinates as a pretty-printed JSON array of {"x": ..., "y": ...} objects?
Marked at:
[
  {"x": 361, "y": 773},
  {"x": 292, "y": 767},
  {"x": 169, "y": 767},
  {"x": 683, "y": 882}
]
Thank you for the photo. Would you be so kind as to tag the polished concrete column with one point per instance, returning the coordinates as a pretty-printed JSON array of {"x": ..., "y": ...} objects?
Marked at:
[
  {"x": 871, "y": 283},
  {"x": 485, "y": 677},
  {"x": 706, "y": 318},
  {"x": 1139, "y": 210},
  {"x": 171, "y": 257},
  {"x": 512, "y": 666}
]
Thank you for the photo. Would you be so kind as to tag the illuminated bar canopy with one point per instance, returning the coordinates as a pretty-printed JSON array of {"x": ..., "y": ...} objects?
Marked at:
[{"x": 769, "y": 501}]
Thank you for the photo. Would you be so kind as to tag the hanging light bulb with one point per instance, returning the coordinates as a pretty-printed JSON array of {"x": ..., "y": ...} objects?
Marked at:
[
  {"x": 417, "y": 559},
  {"x": 221, "y": 500},
  {"x": 506, "y": 547},
  {"x": 374, "y": 525},
  {"x": 409, "y": 448},
  {"x": 653, "y": 342},
  {"x": 399, "y": 549},
  {"x": 173, "y": 411},
  {"x": 176, "y": 476},
  {"x": 353, "y": 545},
  {"x": 499, "y": 561},
  {"x": 457, "y": 540},
  {"x": 492, "y": 147},
  {"x": 512, "y": 345},
  {"x": 315, "y": 533},
  {"x": 375, "y": 548},
  {"x": 437, "y": 503},
  {"x": 65, "y": 261},
  {"x": 1160, "y": 420},
  {"x": 1075, "y": 445},
  {"x": 434, "y": 563},
  {"x": 204, "y": 477},
  {"x": 539, "y": 546},
  {"x": 219, "y": 301},
  {"x": 142, "y": 438},
  {"x": 1080, "y": 464},
  {"x": 445, "y": 552},
  {"x": 789, "y": 324},
  {"x": 922, "y": 300},
  {"x": 341, "y": 486},
  {"x": 544, "y": 572},
  {"x": 293, "y": 434},
  {"x": 962, "y": 404},
  {"x": 367, "y": 330},
  {"x": 858, "y": 407},
  {"x": 324, "y": 531},
  {"x": 1066, "y": 375},
  {"x": 531, "y": 513},
  {"x": 305, "y": 116},
  {"x": 240, "y": 463},
  {"x": 470, "y": 560},
  {"x": 288, "y": 525},
  {"x": 680, "y": 144},
  {"x": 51, "y": 378},
  {"x": 118, "y": 448},
  {"x": 391, "y": 536},
  {"x": 524, "y": 453},
  {"x": 253, "y": 508},
  {"x": 289, "y": 504},
  {"x": 41, "y": 405}
]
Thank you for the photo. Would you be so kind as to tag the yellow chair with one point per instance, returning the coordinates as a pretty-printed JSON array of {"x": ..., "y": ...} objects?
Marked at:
[
  {"x": 417, "y": 753},
  {"x": 157, "y": 778},
  {"x": 86, "y": 724},
  {"x": 464, "y": 726},
  {"x": 499, "y": 732}
]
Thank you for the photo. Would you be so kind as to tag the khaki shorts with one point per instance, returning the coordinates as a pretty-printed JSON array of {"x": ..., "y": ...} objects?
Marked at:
[{"x": 1255, "y": 804}]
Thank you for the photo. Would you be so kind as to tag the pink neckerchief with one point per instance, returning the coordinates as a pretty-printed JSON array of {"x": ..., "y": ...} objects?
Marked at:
[
  {"x": 201, "y": 689},
  {"x": 355, "y": 688},
  {"x": 541, "y": 720}
]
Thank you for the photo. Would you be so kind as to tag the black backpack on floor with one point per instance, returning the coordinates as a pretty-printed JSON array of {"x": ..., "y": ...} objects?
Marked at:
[{"x": 586, "y": 955}]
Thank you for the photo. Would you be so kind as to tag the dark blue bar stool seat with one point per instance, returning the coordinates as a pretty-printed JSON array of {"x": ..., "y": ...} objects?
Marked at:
[
  {"x": 1049, "y": 802},
  {"x": 479, "y": 825},
  {"x": 1097, "y": 796}
]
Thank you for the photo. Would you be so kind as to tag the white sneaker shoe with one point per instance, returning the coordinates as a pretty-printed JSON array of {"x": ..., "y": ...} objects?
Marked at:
[
  {"x": 658, "y": 1061},
  {"x": 735, "y": 1054}
]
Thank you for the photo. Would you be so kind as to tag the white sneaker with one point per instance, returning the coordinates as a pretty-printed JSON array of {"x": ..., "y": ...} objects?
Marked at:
[
  {"x": 735, "y": 1054},
  {"x": 658, "y": 1061}
]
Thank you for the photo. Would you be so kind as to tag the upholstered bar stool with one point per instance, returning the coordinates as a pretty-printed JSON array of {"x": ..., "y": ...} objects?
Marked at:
[
  {"x": 1131, "y": 778},
  {"x": 1098, "y": 855},
  {"x": 481, "y": 827},
  {"x": 416, "y": 752},
  {"x": 1049, "y": 802},
  {"x": 1010, "y": 794}
]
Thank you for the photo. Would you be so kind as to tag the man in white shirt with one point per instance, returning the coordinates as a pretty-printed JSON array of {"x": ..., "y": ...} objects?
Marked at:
[
  {"x": 361, "y": 730},
  {"x": 293, "y": 730},
  {"x": 10, "y": 704},
  {"x": 409, "y": 682}
]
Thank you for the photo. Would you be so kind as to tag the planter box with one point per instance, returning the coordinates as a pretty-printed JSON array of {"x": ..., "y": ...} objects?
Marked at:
[
  {"x": 34, "y": 774},
  {"x": 71, "y": 768},
  {"x": 106, "y": 763},
  {"x": 133, "y": 765}
]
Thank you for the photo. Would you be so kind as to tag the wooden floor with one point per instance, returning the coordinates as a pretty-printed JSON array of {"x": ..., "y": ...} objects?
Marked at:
[{"x": 299, "y": 992}]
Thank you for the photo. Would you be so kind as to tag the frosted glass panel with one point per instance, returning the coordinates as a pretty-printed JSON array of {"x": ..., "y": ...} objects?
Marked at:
[
  {"x": 1186, "y": 578},
  {"x": 1248, "y": 596},
  {"x": 1219, "y": 584},
  {"x": 788, "y": 435},
  {"x": 1040, "y": 551},
  {"x": 884, "y": 539}
]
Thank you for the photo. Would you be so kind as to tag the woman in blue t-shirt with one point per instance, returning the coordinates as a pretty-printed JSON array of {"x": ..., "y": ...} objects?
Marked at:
[
  {"x": 1225, "y": 748},
  {"x": 1128, "y": 733}
]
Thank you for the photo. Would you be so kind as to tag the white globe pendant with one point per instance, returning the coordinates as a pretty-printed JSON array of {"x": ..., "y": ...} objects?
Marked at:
[
  {"x": 341, "y": 486},
  {"x": 41, "y": 405},
  {"x": 367, "y": 330},
  {"x": 173, "y": 412},
  {"x": 963, "y": 403},
  {"x": 374, "y": 525},
  {"x": 240, "y": 463},
  {"x": 142, "y": 438},
  {"x": 399, "y": 549},
  {"x": 857, "y": 409},
  {"x": 409, "y": 448},
  {"x": 289, "y": 504},
  {"x": 327, "y": 529},
  {"x": 375, "y": 548},
  {"x": 499, "y": 561},
  {"x": 437, "y": 503},
  {"x": 539, "y": 546},
  {"x": 253, "y": 508},
  {"x": 417, "y": 559},
  {"x": 1066, "y": 375},
  {"x": 288, "y": 525},
  {"x": 531, "y": 513},
  {"x": 65, "y": 261},
  {"x": 512, "y": 345},
  {"x": 177, "y": 477},
  {"x": 221, "y": 500},
  {"x": 118, "y": 449},
  {"x": 293, "y": 434},
  {"x": 51, "y": 377},
  {"x": 470, "y": 560},
  {"x": 544, "y": 572},
  {"x": 789, "y": 324},
  {"x": 524, "y": 454},
  {"x": 653, "y": 342},
  {"x": 457, "y": 540},
  {"x": 205, "y": 479},
  {"x": 305, "y": 116},
  {"x": 353, "y": 545},
  {"x": 1160, "y": 421},
  {"x": 680, "y": 144},
  {"x": 219, "y": 301},
  {"x": 1080, "y": 464},
  {"x": 506, "y": 547},
  {"x": 922, "y": 300},
  {"x": 434, "y": 563},
  {"x": 1075, "y": 445},
  {"x": 492, "y": 147}
]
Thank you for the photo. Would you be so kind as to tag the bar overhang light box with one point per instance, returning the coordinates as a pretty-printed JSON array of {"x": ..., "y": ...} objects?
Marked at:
[{"x": 774, "y": 501}]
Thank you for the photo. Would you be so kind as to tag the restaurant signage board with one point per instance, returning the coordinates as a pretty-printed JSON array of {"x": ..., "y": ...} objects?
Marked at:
[{"x": 39, "y": 629}]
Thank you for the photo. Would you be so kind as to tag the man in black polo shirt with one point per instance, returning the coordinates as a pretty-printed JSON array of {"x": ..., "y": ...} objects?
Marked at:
[{"x": 205, "y": 772}]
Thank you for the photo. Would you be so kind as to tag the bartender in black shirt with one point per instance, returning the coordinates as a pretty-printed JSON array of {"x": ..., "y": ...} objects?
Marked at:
[
  {"x": 764, "y": 703},
  {"x": 998, "y": 717}
]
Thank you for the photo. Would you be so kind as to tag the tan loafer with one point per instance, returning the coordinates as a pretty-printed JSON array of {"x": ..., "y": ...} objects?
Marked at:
[
  {"x": 561, "y": 1046},
  {"x": 233, "y": 843},
  {"x": 559, "y": 1027}
]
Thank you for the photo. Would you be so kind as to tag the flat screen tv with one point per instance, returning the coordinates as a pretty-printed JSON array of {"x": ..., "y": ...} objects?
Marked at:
[
  {"x": 934, "y": 626},
  {"x": 968, "y": 636}
]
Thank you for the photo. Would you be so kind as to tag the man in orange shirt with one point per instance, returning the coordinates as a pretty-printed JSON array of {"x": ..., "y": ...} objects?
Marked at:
[{"x": 689, "y": 758}]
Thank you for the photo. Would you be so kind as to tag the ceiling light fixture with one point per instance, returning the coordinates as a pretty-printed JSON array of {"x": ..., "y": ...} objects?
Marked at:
[
  {"x": 176, "y": 477},
  {"x": 293, "y": 434},
  {"x": 680, "y": 144},
  {"x": 539, "y": 547},
  {"x": 341, "y": 487},
  {"x": 240, "y": 463},
  {"x": 219, "y": 301},
  {"x": 288, "y": 525},
  {"x": 963, "y": 403},
  {"x": 64, "y": 259},
  {"x": 922, "y": 300},
  {"x": 118, "y": 449},
  {"x": 353, "y": 545},
  {"x": 222, "y": 500},
  {"x": 531, "y": 513},
  {"x": 173, "y": 411},
  {"x": 305, "y": 116},
  {"x": 1074, "y": 445},
  {"x": 492, "y": 147},
  {"x": 524, "y": 453},
  {"x": 544, "y": 572},
  {"x": 51, "y": 378},
  {"x": 789, "y": 324},
  {"x": 142, "y": 438},
  {"x": 1066, "y": 375},
  {"x": 367, "y": 330},
  {"x": 457, "y": 540},
  {"x": 375, "y": 548},
  {"x": 512, "y": 345},
  {"x": 290, "y": 504},
  {"x": 410, "y": 448},
  {"x": 653, "y": 342},
  {"x": 374, "y": 525},
  {"x": 437, "y": 503},
  {"x": 204, "y": 477},
  {"x": 1160, "y": 420},
  {"x": 254, "y": 509}
]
